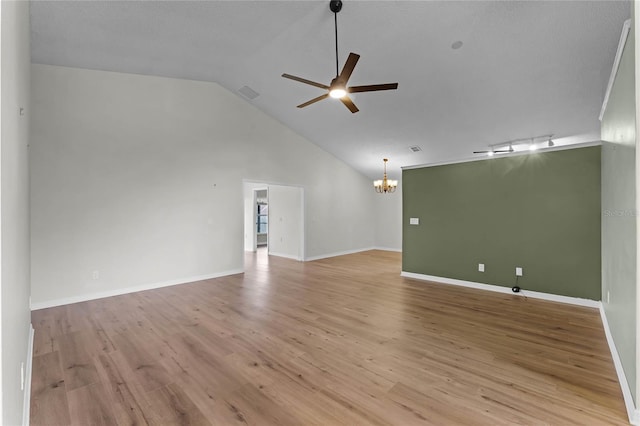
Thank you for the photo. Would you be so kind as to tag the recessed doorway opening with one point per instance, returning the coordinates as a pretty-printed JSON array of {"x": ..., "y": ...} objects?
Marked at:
[{"x": 274, "y": 218}]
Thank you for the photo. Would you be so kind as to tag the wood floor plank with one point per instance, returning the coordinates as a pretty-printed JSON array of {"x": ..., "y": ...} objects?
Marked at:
[
  {"x": 254, "y": 407},
  {"x": 338, "y": 341},
  {"x": 171, "y": 406},
  {"x": 48, "y": 393},
  {"x": 127, "y": 408},
  {"x": 76, "y": 353},
  {"x": 88, "y": 406},
  {"x": 211, "y": 373},
  {"x": 147, "y": 370},
  {"x": 44, "y": 340}
]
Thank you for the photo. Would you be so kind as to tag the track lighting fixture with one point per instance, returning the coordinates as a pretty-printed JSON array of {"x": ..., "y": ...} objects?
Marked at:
[{"x": 532, "y": 144}]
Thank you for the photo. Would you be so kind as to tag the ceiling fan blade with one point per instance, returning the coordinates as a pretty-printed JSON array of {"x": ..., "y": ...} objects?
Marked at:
[
  {"x": 372, "y": 87},
  {"x": 349, "y": 104},
  {"x": 304, "y": 80},
  {"x": 352, "y": 60},
  {"x": 314, "y": 100}
]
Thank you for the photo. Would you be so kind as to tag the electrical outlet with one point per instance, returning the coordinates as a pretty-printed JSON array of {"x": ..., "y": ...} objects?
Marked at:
[
  {"x": 96, "y": 275},
  {"x": 518, "y": 271},
  {"x": 480, "y": 267}
]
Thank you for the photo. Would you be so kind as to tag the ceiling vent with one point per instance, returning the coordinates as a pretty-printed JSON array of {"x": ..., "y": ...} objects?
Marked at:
[
  {"x": 415, "y": 148},
  {"x": 248, "y": 92}
]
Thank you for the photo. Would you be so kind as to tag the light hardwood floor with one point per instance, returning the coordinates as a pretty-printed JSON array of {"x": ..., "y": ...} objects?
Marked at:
[{"x": 338, "y": 341}]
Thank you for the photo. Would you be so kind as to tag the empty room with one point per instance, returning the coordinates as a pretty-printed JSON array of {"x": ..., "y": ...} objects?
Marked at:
[{"x": 319, "y": 212}]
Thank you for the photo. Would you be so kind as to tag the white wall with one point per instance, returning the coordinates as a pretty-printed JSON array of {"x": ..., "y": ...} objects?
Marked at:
[
  {"x": 123, "y": 174},
  {"x": 618, "y": 176},
  {"x": 388, "y": 214},
  {"x": 635, "y": 19},
  {"x": 285, "y": 221},
  {"x": 14, "y": 202}
]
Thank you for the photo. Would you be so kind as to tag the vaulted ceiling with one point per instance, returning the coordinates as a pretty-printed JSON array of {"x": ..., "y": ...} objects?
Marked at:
[{"x": 525, "y": 68}]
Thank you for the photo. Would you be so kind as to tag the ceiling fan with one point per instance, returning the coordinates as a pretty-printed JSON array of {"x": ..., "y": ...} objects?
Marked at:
[{"x": 338, "y": 88}]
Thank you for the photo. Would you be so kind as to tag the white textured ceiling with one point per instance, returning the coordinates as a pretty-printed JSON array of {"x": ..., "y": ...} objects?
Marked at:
[{"x": 526, "y": 68}]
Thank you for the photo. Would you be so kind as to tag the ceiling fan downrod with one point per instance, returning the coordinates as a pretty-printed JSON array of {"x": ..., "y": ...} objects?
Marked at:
[{"x": 336, "y": 6}]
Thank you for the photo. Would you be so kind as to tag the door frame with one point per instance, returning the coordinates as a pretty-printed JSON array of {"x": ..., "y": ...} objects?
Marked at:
[{"x": 261, "y": 184}]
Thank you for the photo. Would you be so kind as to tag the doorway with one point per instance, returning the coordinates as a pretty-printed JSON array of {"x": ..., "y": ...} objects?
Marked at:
[
  {"x": 274, "y": 218},
  {"x": 262, "y": 217}
]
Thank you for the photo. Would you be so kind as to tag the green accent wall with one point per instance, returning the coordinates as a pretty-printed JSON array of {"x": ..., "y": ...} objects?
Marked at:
[{"x": 538, "y": 211}]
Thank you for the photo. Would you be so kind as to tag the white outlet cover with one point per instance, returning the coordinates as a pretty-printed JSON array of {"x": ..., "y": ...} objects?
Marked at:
[
  {"x": 518, "y": 272},
  {"x": 414, "y": 221},
  {"x": 480, "y": 267}
]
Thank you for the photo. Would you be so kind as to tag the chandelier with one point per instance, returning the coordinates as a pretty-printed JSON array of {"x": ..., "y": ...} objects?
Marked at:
[{"x": 385, "y": 185}]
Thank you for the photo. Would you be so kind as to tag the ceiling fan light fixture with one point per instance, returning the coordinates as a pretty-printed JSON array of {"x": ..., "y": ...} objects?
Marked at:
[{"x": 337, "y": 92}]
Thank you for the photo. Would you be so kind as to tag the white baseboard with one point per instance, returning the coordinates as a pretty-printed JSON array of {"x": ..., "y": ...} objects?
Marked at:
[
  {"x": 286, "y": 256},
  {"x": 500, "y": 289},
  {"x": 632, "y": 412},
  {"x": 126, "y": 290},
  {"x": 26, "y": 401},
  {"x": 398, "y": 250},
  {"x": 338, "y": 253}
]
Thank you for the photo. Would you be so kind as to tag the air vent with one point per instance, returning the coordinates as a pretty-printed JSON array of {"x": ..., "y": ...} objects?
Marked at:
[
  {"x": 248, "y": 92},
  {"x": 415, "y": 148}
]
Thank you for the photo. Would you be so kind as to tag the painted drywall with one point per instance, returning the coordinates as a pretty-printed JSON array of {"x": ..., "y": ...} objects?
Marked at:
[
  {"x": 635, "y": 19},
  {"x": 540, "y": 212},
  {"x": 14, "y": 201},
  {"x": 285, "y": 221},
  {"x": 139, "y": 180},
  {"x": 619, "y": 236},
  {"x": 388, "y": 213}
]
